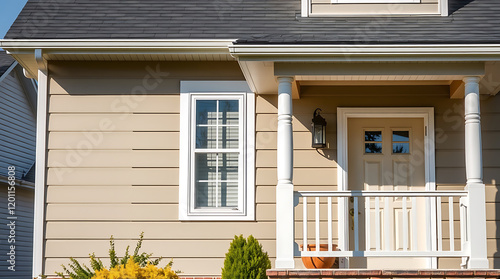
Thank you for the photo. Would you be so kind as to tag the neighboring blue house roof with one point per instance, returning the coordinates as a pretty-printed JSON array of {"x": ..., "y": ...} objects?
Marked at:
[
  {"x": 250, "y": 21},
  {"x": 5, "y": 62}
]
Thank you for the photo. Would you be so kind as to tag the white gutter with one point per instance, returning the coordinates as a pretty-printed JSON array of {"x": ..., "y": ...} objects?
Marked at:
[
  {"x": 462, "y": 52},
  {"x": 114, "y": 44}
]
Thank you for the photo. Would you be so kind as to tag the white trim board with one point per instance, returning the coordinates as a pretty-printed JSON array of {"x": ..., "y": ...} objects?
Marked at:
[
  {"x": 40, "y": 167},
  {"x": 343, "y": 114}
]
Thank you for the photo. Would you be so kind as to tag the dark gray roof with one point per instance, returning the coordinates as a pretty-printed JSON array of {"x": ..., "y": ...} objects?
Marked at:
[
  {"x": 250, "y": 21},
  {"x": 5, "y": 61}
]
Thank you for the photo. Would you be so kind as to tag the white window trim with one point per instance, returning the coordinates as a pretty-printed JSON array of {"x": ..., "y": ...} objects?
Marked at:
[
  {"x": 306, "y": 5},
  {"x": 427, "y": 114},
  {"x": 190, "y": 89},
  {"x": 373, "y": 1}
]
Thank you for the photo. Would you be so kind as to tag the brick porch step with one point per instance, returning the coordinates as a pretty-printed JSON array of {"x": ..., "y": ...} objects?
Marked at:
[{"x": 373, "y": 274}]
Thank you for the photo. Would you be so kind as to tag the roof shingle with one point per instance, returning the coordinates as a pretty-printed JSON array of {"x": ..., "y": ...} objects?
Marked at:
[{"x": 250, "y": 21}]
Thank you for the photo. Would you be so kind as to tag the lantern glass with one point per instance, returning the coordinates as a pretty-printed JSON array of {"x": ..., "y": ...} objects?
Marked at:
[
  {"x": 318, "y": 134},
  {"x": 318, "y": 130}
]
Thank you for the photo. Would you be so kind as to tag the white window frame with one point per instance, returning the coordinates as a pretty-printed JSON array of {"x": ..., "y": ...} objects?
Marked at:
[
  {"x": 219, "y": 90},
  {"x": 373, "y": 1}
]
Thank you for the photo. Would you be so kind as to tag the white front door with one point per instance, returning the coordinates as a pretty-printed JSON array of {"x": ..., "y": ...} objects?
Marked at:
[{"x": 386, "y": 154}]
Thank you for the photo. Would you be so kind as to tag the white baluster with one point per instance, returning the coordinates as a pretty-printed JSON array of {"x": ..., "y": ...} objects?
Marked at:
[
  {"x": 414, "y": 231},
  {"x": 387, "y": 225},
  {"x": 368, "y": 227},
  {"x": 377, "y": 223},
  {"x": 317, "y": 223},
  {"x": 439, "y": 224},
  {"x": 356, "y": 225},
  {"x": 330, "y": 223},
  {"x": 451, "y": 222},
  {"x": 304, "y": 223},
  {"x": 405, "y": 225}
]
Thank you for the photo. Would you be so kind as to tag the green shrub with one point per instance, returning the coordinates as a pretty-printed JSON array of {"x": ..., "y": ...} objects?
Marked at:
[
  {"x": 75, "y": 270},
  {"x": 245, "y": 260}
]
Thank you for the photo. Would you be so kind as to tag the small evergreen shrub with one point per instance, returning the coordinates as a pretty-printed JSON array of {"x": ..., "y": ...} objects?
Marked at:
[
  {"x": 245, "y": 260},
  {"x": 140, "y": 263}
]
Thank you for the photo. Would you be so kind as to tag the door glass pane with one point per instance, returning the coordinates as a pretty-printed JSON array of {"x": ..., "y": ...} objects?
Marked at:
[
  {"x": 401, "y": 142},
  {"x": 373, "y": 142},
  {"x": 373, "y": 136},
  {"x": 401, "y": 147},
  {"x": 373, "y": 147},
  {"x": 400, "y": 135}
]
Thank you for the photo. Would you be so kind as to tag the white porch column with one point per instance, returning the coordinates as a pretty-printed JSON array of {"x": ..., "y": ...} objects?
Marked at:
[
  {"x": 474, "y": 170},
  {"x": 284, "y": 189}
]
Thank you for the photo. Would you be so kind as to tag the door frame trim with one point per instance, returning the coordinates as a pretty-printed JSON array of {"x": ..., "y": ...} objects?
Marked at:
[{"x": 343, "y": 114}]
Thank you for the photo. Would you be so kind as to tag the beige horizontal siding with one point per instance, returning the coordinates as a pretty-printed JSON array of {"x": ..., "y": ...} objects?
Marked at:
[
  {"x": 112, "y": 194},
  {"x": 127, "y": 181},
  {"x": 177, "y": 248},
  {"x": 115, "y": 158},
  {"x": 114, "y": 104},
  {"x": 301, "y": 140},
  {"x": 114, "y": 140},
  {"x": 113, "y": 122},
  {"x": 112, "y": 176},
  {"x": 132, "y": 212},
  {"x": 302, "y": 158},
  {"x": 302, "y": 177},
  {"x": 157, "y": 230}
]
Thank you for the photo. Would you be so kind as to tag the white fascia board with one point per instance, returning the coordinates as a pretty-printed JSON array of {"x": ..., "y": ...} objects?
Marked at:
[
  {"x": 113, "y": 44},
  {"x": 351, "y": 53}
]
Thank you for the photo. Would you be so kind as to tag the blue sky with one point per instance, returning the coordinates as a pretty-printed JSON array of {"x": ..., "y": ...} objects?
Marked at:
[{"x": 9, "y": 9}]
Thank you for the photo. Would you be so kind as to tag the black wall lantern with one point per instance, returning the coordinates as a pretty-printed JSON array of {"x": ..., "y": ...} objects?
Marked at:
[{"x": 318, "y": 130}]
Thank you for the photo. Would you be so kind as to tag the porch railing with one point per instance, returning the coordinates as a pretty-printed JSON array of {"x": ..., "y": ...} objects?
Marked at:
[{"x": 407, "y": 223}]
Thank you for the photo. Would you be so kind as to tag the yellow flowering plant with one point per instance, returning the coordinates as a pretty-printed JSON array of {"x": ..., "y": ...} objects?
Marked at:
[
  {"x": 136, "y": 265},
  {"x": 132, "y": 270}
]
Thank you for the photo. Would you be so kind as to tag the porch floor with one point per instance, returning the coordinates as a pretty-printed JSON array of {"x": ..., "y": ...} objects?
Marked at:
[{"x": 374, "y": 273}]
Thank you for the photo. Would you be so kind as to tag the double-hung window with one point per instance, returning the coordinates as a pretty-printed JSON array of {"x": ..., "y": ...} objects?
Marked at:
[{"x": 216, "y": 151}]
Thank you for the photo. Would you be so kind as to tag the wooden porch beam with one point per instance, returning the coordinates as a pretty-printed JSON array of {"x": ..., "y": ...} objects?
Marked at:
[
  {"x": 295, "y": 90},
  {"x": 457, "y": 89},
  {"x": 378, "y": 69}
]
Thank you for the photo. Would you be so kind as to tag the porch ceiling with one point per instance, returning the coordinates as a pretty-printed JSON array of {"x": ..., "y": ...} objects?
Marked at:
[{"x": 261, "y": 75}]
